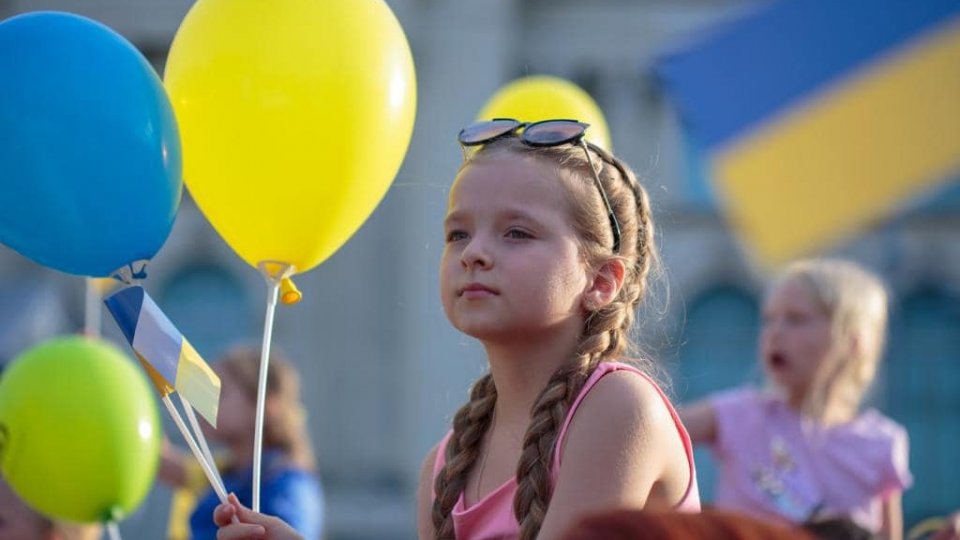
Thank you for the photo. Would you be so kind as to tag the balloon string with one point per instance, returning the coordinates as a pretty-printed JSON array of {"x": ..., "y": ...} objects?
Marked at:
[
  {"x": 211, "y": 475},
  {"x": 274, "y": 289},
  {"x": 92, "y": 313},
  {"x": 113, "y": 531},
  {"x": 195, "y": 425}
]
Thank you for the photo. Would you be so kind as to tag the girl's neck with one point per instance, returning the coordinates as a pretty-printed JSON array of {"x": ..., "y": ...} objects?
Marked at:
[{"x": 521, "y": 370}]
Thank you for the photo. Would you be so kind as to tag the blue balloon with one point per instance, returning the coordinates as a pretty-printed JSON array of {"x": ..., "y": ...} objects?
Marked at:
[{"x": 90, "y": 164}]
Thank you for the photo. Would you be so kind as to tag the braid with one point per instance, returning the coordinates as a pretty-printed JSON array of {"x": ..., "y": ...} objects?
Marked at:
[
  {"x": 605, "y": 336},
  {"x": 533, "y": 470},
  {"x": 469, "y": 425}
]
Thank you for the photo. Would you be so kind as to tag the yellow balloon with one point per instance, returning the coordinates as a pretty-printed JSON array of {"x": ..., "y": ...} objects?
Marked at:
[
  {"x": 294, "y": 115},
  {"x": 542, "y": 97}
]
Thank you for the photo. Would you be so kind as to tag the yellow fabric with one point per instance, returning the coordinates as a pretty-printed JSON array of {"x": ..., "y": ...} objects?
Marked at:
[
  {"x": 184, "y": 499},
  {"x": 198, "y": 383},
  {"x": 850, "y": 155}
]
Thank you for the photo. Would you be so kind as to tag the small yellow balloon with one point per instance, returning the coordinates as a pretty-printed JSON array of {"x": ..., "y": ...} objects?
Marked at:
[
  {"x": 543, "y": 97},
  {"x": 294, "y": 115}
]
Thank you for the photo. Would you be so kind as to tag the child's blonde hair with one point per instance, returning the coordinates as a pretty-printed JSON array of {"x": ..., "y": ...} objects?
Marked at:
[
  {"x": 605, "y": 334},
  {"x": 285, "y": 426},
  {"x": 855, "y": 301}
]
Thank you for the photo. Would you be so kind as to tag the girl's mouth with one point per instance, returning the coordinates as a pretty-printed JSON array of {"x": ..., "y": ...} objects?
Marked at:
[{"x": 778, "y": 361}]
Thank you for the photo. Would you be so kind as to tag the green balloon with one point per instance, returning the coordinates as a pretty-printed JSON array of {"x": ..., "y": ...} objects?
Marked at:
[{"x": 79, "y": 430}]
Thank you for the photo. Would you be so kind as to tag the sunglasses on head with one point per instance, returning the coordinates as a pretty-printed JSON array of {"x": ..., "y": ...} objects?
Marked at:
[{"x": 541, "y": 134}]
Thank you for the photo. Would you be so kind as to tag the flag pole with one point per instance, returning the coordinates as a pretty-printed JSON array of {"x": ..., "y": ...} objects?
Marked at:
[
  {"x": 212, "y": 475},
  {"x": 195, "y": 425}
]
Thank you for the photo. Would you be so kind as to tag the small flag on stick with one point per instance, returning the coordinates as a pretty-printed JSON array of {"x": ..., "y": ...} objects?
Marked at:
[{"x": 169, "y": 359}]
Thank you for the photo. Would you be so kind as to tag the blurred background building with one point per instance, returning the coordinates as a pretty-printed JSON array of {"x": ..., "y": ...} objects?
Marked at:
[{"x": 382, "y": 369}]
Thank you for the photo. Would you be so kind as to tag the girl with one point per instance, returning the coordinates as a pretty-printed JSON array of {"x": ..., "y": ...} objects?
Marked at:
[
  {"x": 289, "y": 486},
  {"x": 806, "y": 450},
  {"x": 549, "y": 241}
]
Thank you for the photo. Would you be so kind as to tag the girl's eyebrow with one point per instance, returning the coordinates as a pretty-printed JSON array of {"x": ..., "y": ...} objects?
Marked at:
[{"x": 453, "y": 216}]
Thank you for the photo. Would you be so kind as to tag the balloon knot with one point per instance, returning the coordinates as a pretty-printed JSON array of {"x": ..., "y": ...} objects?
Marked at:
[{"x": 289, "y": 293}]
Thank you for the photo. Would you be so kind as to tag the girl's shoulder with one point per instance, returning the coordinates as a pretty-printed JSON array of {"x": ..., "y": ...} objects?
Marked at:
[
  {"x": 619, "y": 396},
  {"x": 872, "y": 422},
  {"x": 875, "y": 433},
  {"x": 620, "y": 387}
]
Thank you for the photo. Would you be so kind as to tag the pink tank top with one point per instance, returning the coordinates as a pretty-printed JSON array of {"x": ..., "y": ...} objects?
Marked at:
[{"x": 492, "y": 517}]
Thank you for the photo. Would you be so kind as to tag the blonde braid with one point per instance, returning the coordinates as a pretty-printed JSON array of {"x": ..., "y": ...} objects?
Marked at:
[{"x": 469, "y": 426}]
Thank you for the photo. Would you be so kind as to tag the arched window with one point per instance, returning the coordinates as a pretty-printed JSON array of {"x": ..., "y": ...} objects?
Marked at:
[
  {"x": 716, "y": 350},
  {"x": 209, "y": 306},
  {"x": 920, "y": 388}
]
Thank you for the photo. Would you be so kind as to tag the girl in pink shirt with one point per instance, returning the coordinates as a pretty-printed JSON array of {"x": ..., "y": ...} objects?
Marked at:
[
  {"x": 549, "y": 241},
  {"x": 804, "y": 449}
]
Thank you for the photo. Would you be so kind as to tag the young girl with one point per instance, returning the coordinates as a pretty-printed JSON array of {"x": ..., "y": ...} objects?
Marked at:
[
  {"x": 289, "y": 487},
  {"x": 549, "y": 241},
  {"x": 806, "y": 449}
]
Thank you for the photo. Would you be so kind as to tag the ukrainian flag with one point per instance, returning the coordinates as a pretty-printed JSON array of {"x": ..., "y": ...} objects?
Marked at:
[
  {"x": 168, "y": 357},
  {"x": 820, "y": 117}
]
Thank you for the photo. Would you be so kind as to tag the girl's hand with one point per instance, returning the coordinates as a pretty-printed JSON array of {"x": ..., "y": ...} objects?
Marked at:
[{"x": 249, "y": 525}]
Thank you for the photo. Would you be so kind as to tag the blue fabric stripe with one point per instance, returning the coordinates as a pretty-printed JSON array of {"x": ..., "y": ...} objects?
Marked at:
[
  {"x": 758, "y": 65},
  {"x": 125, "y": 306}
]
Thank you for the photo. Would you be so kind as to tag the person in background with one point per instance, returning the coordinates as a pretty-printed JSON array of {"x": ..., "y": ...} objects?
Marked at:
[
  {"x": 20, "y": 522},
  {"x": 289, "y": 487},
  {"x": 806, "y": 448}
]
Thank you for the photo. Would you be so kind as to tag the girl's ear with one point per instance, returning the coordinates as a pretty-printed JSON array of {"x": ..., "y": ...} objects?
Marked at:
[{"x": 605, "y": 285}]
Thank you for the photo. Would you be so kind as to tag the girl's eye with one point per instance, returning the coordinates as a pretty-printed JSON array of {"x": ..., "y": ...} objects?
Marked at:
[
  {"x": 454, "y": 236},
  {"x": 518, "y": 234}
]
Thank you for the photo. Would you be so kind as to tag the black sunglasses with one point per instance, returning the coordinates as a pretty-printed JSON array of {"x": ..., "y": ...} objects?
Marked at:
[{"x": 541, "y": 134}]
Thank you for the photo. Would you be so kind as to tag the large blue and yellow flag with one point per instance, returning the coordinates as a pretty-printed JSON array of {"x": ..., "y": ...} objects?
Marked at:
[
  {"x": 168, "y": 357},
  {"x": 820, "y": 117}
]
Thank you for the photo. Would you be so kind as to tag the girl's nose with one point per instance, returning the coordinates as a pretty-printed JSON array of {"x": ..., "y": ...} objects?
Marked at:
[{"x": 476, "y": 254}]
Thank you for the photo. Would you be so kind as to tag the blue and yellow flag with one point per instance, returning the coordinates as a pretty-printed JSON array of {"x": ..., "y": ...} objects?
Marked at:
[
  {"x": 168, "y": 357},
  {"x": 820, "y": 117}
]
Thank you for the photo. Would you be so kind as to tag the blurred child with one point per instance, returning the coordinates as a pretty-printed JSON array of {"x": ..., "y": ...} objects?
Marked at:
[
  {"x": 289, "y": 486},
  {"x": 20, "y": 522},
  {"x": 806, "y": 449}
]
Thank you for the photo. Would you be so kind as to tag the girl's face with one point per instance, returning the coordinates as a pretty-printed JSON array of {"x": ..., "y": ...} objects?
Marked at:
[
  {"x": 237, "y": 413},
  {"x": 511, "y": 266},
  {"x": 795, "y": 338}
]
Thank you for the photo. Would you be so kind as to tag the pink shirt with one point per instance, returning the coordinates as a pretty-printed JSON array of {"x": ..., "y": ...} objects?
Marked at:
[
  {"x": 492, "y": 517},
  {"x": 774, "y": 463}
]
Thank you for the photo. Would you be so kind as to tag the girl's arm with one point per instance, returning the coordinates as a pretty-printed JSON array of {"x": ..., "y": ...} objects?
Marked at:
[
  {"x": 701, "y": 422},
  {"x": 425, "y": 497},
  {"x": 622, "y": 450},
  {"x": 892, "y": 528}
]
